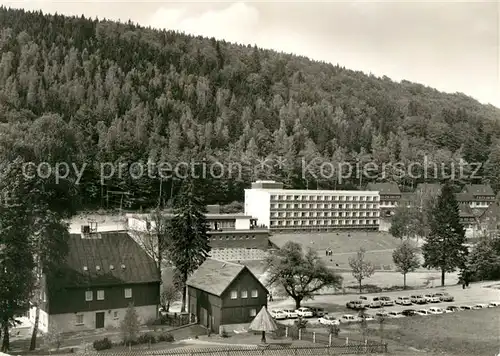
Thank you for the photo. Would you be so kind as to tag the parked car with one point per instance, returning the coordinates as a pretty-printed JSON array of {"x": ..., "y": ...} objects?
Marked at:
[
  {"x": 328, "y": 320},
  {"x": 318, "y": 312},
  {"x": 435, "y": 311},
  {"x": 372, "y": 302},
  {"x": 444, "y": 297},
  {"x": 403, "y": 301},
  {"x": 291, "y": 314},
  {"x": 430, "y": 298},
  {"x": 418, "y": 299},
  {"x": 451, "y": 309},
  {"x": 409, "y": 312},
  {"x": 368, "y": 317},
  {"x": 356, "y": 304},
  {"x": 466, "y": 307},
  {"x": 395, "y": 314},
  {"x": 382, "y": 314},
  {"x": 348, "y": 318},
  {"x": 494, "y": 304},
  {"x": 422, "y": 312},
  {"x": 278, "y": 314},
  {"x": 480, "y": 306},
  {"x": 304, "y": 312},
  {"x": 386, "y": 301}
]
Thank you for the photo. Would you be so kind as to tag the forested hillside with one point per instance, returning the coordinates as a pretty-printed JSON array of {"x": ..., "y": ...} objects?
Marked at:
[{"x": 109, "y": 92}]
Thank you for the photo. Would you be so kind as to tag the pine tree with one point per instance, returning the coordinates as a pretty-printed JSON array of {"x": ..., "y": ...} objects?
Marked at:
[
  {"x": 188, "y": 234},
  {"x": 444, "y": 247},
  {"x": 16, "y": 262}
]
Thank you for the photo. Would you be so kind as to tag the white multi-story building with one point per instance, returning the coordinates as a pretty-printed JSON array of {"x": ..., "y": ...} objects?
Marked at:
[{"x": 323, "y": 210}]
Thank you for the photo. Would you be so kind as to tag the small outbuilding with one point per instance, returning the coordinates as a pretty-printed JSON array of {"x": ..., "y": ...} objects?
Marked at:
[{"x": 224, "y": 293}]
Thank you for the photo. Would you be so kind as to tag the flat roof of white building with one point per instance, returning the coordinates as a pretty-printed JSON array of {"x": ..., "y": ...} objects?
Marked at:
[
  {"x": 208, "y": 216},
  {"x": 320, "y": 192}
]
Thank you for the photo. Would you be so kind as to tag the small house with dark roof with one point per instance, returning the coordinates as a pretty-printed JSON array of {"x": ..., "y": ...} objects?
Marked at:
[
  {"x": 224, "y": 293},
  {"x": 390, "y": 195},
  {"x": 104, "y": 273},
  {"x": 482, "y": 195}
]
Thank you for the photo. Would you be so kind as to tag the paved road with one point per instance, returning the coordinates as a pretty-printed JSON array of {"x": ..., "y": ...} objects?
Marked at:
[{"x": 476, "y": 293}]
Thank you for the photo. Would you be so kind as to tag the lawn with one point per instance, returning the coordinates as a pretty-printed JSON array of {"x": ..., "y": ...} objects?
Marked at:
[
  {"x": 464, "y": 333},
  {"x": 378, "y": 246},
  {"x": 339, "y": 242}
]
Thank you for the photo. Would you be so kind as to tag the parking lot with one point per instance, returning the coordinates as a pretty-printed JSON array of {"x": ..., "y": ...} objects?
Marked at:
[{"x": 475, "y": 294}]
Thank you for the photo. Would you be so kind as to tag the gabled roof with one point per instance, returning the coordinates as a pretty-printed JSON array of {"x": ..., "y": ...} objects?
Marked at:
[
  {"x": 384, "y": 188},
  {"x": 479, "y": 189},
  {"x": 464, "y": 197},
  {"x": 465, "y": 211},
  {"x": 493, "y": 209},
  {"x": 407, "y": 196},
  {"x": 215, "y": 276},
  {"x": 107, "y": 258}
]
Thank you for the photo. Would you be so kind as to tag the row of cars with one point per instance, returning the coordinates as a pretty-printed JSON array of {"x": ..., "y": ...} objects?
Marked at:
[
  {"x": 378, "y": 302},
  {"x": 348, "y": 318},
  {"x": 303, "y": 312}
]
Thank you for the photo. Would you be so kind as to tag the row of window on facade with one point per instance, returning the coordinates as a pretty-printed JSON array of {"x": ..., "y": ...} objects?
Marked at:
[
  {"x": 388, "y": 203},
  {"x": 325, "y": 214},
  {"x": 89, "y": 295},
  {"x": 324, "y": 222},
  {"x": 476, "y": 203},
  {"x": 244, "y": 294},
  {"x": 324, "y": 206},
  {"x": 222, "y": 224},
  {"x": 232, "y": 237},
  {"x": 324, "y": 197}
]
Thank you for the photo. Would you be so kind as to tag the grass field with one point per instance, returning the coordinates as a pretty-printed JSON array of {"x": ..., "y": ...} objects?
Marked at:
[
  {"x": 378, "y": 246},
  {"x": 339, "y": 242},
  {"x": 465, "y": 333}
]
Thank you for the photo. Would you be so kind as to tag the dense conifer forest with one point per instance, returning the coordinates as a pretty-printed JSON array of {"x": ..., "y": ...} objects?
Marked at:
[{"x": 101, "y": 91}]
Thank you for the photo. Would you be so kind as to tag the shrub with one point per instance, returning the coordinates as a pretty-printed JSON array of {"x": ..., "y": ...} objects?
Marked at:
[
  {"x": 103, "y": 344},
  {"x": 166, "y": 337},
  {"x": 146, "y": 338},
  {"x": 300, "y": 323},
  {"x": 333, "y": 329}
]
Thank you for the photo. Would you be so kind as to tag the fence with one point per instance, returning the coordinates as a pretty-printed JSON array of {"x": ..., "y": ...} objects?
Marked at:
[
  {"x": 176, "y": 320},
  {"x": 270, "y": 350},
  {"x": 345, "y": 345}
]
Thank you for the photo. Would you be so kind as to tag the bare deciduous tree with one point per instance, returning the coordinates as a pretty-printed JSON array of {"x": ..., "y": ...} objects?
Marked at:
[{"x": 361, "y": 268}]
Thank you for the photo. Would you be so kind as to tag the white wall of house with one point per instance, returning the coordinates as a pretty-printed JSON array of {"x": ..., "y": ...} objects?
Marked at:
[
  {"x": 384, "y": 225},
  {"x": 43, "y": 321},
  {"x": 136, "y": 224},
  {"x": 258, "y": 205},
  {"x": 112, "y": 318},
  {"x": 242, "y": 223}
]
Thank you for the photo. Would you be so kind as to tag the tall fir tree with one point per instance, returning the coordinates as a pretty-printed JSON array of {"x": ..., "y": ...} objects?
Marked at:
[
  {"x": 188, "y": 234},
  {"x": 16, "y": 263},
  {"x": 445, "y": 247}
]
